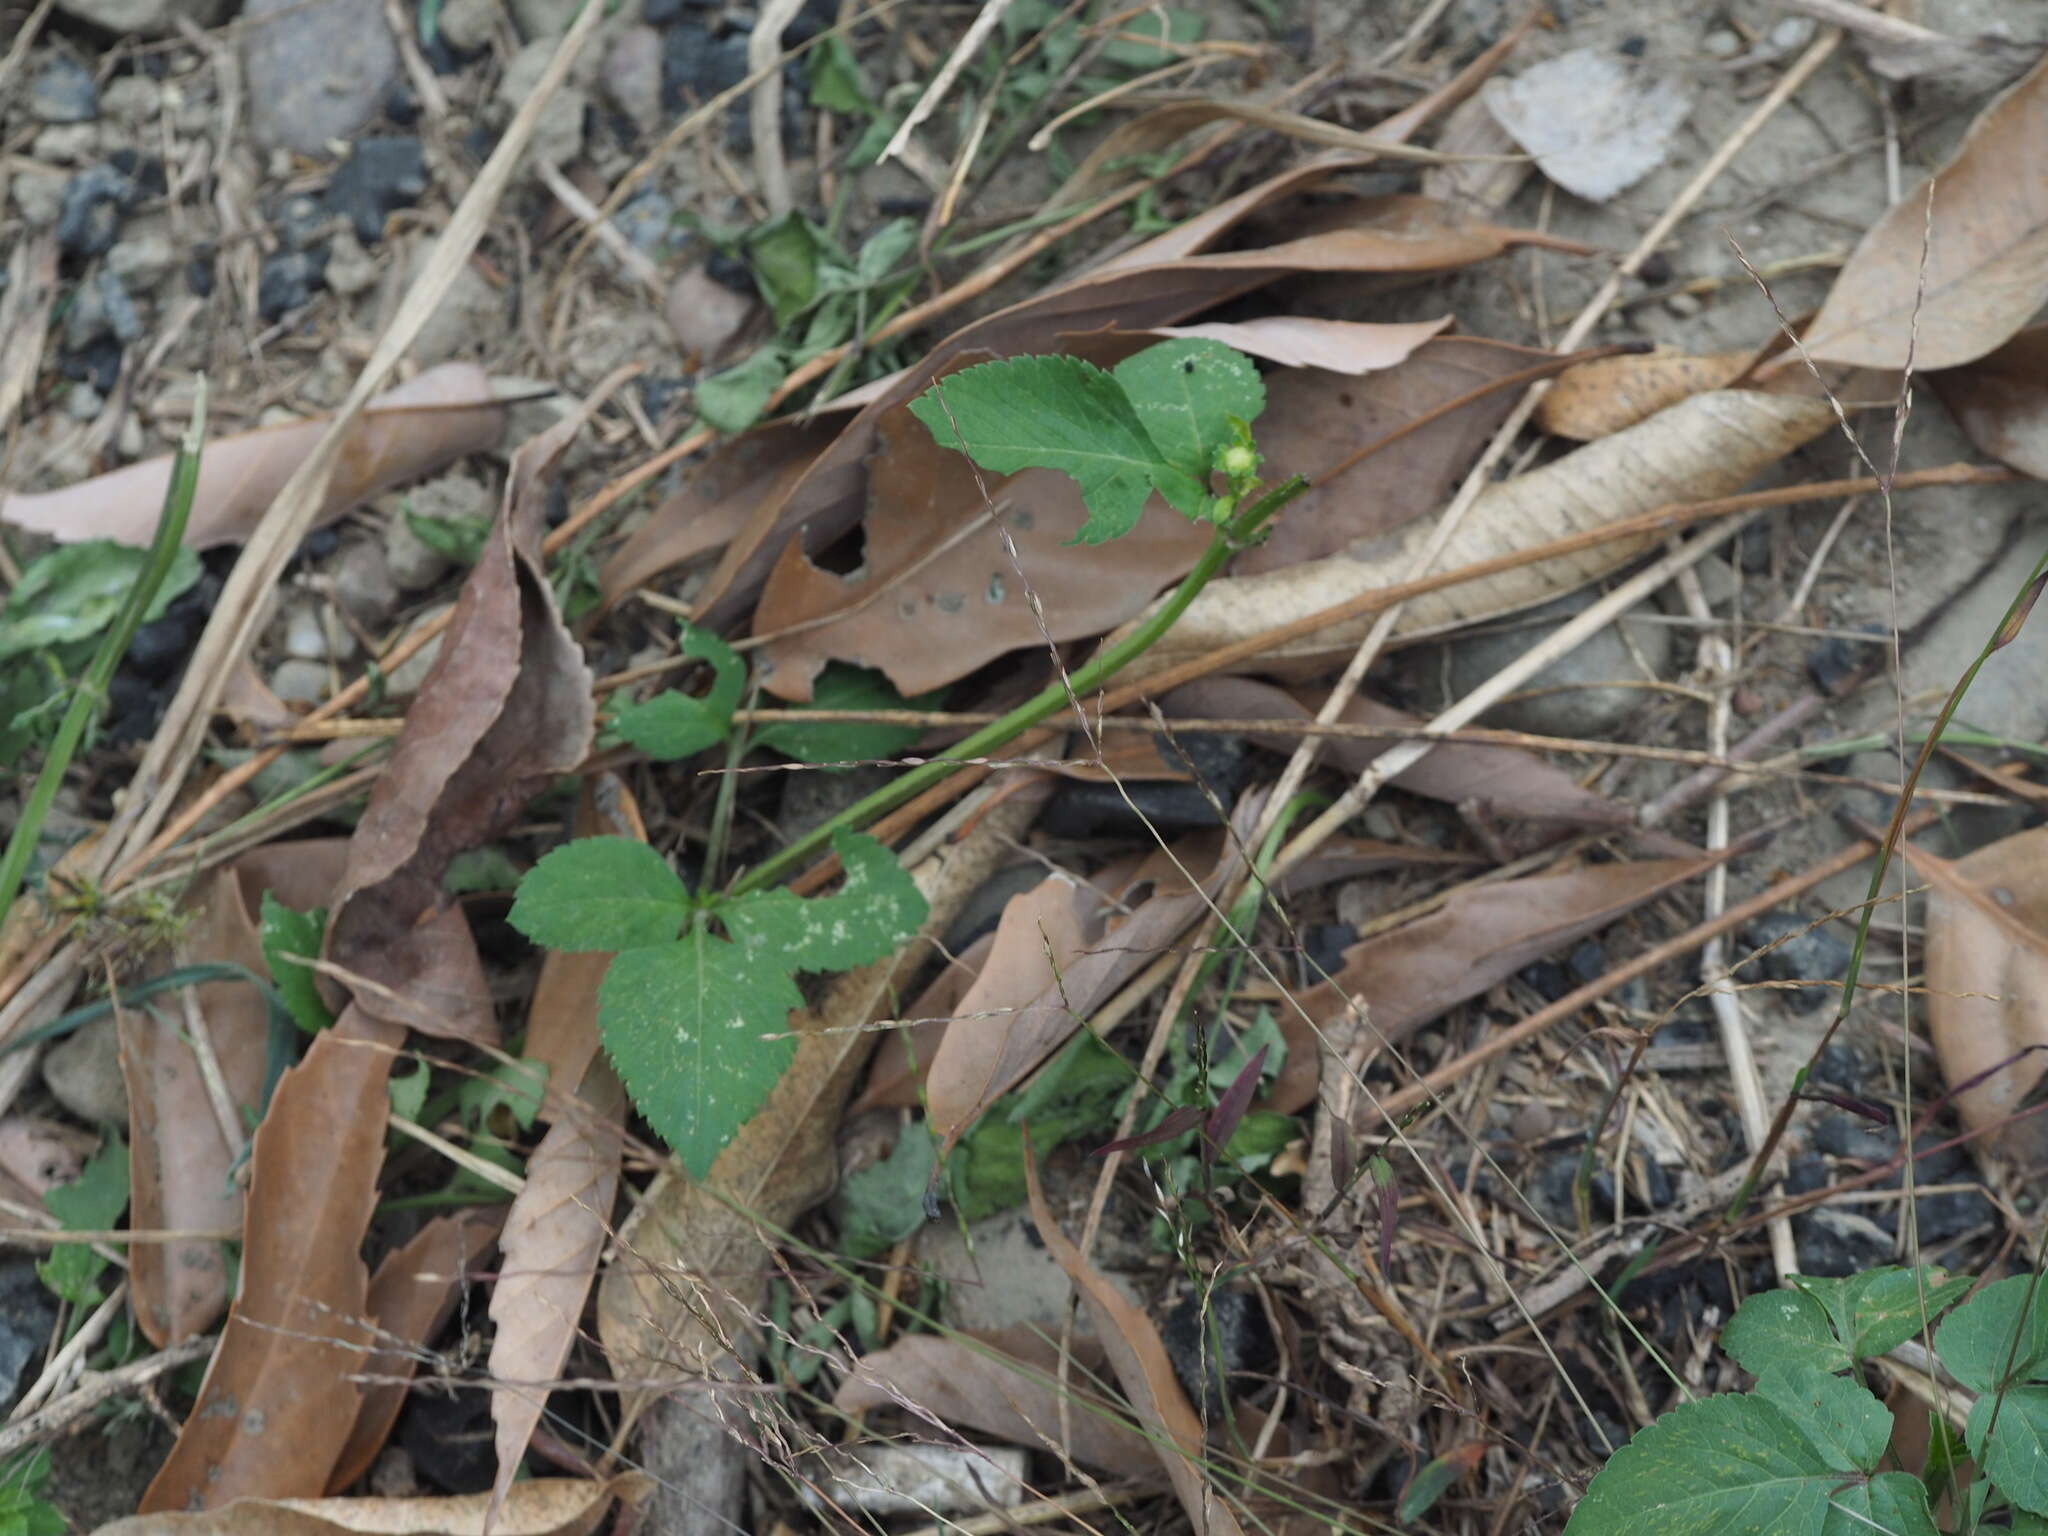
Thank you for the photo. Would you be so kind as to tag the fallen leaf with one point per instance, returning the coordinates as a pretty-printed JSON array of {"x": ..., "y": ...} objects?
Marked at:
[
  {"x": 2001, "y": 401},
  {"x": 1597, "y": 120},
  {"x": 1984, "y": 232},
  {"x": 1987, "y": 982},
  {"x": 1506, "y": 781},
  {"x": 896, "y": 1074},
  {"x": 554, "y": 1232},
  {"x": 1610, "y": 393},
  {"x": 1703, "y": 447},
  {"x": 1482, "y": 185},
  {"x": 1003, "y": 1384},
  {"x": 181, "y": 1161},
  {"x": 693, "y": 1267},
  {"x": 1482, "y": 934},
  {"x": 412, "y": 1295},
  {"x": 1142, "y": 1367},
  {"x": 506, "y": 709},
  {"x": 1305, "y": 341},
  {"x": 39, "y": 1153},
  {"x": 403, "y": 434},
  {"x": 543, "y": 1506}
]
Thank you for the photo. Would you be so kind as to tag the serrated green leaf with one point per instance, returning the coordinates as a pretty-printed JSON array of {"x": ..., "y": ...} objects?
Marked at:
[
  {"x": 283, "y": 932},
  {"x": 92, "y": 1202},
  {"x": 1773, "y": 1326},
  {"x": 2008, "y": 1436},
  {"x": 1882, "y": 1308},
  {"x": 674, "y": 725},
  {"x": 1051, "y": 412},
  {"x": 698, "y": 1031},
  {"x": 1186, "y": 392},
  {"x": 841, "y": 686},
  {"x": 1841, "y": 1420},
  {"x": 1891, "y": 1503},
  {"x": 601, "y": 893},
  {"x": 1721, "y": 1465},
  {"x": 73, "y": 592},
  {"x": 882, "y": 1204},
  {"x": 1998, "y": 1335},
  {"x": 876, "y": 908}
]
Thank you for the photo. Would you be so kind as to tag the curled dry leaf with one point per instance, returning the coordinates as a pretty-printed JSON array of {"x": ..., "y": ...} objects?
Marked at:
[
  {"x": 1987, "y": 983},
  {"x": 1002, "y": 1384},
  {"x": 181, "y": 1156},
  {"x": 412, "y": 1296},
  {"x": 545, "y": 1506},
  {"x": 1704, "y": 447},
  {"x": 1482, "y": 934},
  {"x": 506, "y": 709},
  {"x": 2001, "y": 401},
  {"x": 404, "y": 433},
  {"x": 1982, "y": 224},
  {"x": 1602, "y": 397},
  {"x": 1142, "y": 1367},
  {"x": 1307, "y": 341}
]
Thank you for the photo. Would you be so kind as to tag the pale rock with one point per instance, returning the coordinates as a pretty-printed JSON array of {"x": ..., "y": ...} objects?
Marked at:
[
  {"x": 150, "y": 17},
  {"x": 67, "y": 144},
  {"x": 471, "y": 317},
  {"x": 558, "y": 136},
  {"x": 469, "y": 24},
  {"x": 317, "y": 70},
  {"x": 350, "y": 268},
  {"x": 363, "y": 585},
  {"x": 83, "y": 1073},
  {"x": 312, "y": 634},
  {"x": 142, "y": 259},
  {"x": 132, "y": 99},
  {"x": 299, "y": 682},
  {"x": 404, "y": 680},
  {"x": 39, "y": 196},
  {"x": 632, "y": 76},
  {"x": 544, "y": 19}
]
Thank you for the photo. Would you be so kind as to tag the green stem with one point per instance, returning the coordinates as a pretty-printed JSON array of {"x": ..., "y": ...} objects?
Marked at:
[
  {"x": 1229, "y": 539},
  {"x": 92, "y": 688}
]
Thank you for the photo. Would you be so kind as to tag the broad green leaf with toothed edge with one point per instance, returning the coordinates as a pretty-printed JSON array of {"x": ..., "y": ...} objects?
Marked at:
[
  {"x": 673, "y": 725},
  {"x": 1186, "y": 392},
  {"x": 601, "y": 893},
  {"x": 875, "y": 909},
  {"x": 1999, "y": 1335}
]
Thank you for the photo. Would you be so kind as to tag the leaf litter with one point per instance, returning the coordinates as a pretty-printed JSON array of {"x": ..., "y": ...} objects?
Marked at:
[{"x": 834, "y": 540}]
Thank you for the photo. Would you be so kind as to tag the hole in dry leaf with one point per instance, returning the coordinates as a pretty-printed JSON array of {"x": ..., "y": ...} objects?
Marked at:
[{"x": 846, "y": 555}]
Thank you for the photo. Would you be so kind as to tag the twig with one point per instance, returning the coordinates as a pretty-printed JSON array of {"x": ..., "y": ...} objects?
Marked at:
[
  {"x": 1795, "y": 605},
  {"x": 67, "y": 1359},
  {"x": 764, "y": 107},
  {"x": 97, "y": 1387},
  {"x": 985, "y": 22},
  {"x": 586, "y": 213}
]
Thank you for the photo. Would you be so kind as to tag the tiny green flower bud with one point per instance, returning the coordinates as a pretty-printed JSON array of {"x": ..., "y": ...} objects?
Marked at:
[{"x": 1237, "y": 461}]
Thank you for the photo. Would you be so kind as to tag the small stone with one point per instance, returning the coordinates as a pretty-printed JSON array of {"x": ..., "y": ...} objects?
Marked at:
[
  {"x": 299, "y": 682},
  {"x": 63, "y": 92},
  {"x": 82, "y": 402},
  {"x": 380, "y": 175},
  {"x": 632, "y": 76},
  {"x": 305, "y": 633},
  {"x": 1220, "y": 764},
  {"x": 101, "y": 307},
  {"x": 1684, "y": 305},
  {"x": 540, "y": 20},
  {"x": 558, "y": 137},
  {"x": 350, "y": 269},
  {"x": 470, "y": 318},
  {"x": 363, "y": 585},
  {"x": 1834, "y": 1242},
  {"x": 468, "y": 25},
  {"x": 695, "y": 66},
  {"x": 301, "y": 221},
  {"x": 83, "y": 1073},
  {"x": 1213, "y": 1336},
  {"x": 40, "y": 197},
  {"x": 94, "y": 203},
  {"x": 1795, "y": 953},
  {"x": 1793, "y": 33},
  {"x": 144, "y": 17},
  {"x": 1324, "y": 945},
  {"x": 1721, "y": 44},
  {"x": 66, "y": 143},
  {"x": 142, "y": 260},
  {"x": 404, "y": 680},
  {"x": 287, "y": 281},
  {"x": 132, "y": 99},
  {"x": 28, "y": 1316},
  {"x": 317, "y": 70},
  {"x": 160, "y": 647},
  {"x": 706, "y": 316},
  {"x": 98, "y": 365},
  {"x": 648, "y": 221},
  {"x": 412, "y": 564}
]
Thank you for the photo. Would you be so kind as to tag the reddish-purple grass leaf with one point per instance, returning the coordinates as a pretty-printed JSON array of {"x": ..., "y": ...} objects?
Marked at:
[
  {"x": 1176, "y": 1123},
  {"x": 1237, "y": 1098}
]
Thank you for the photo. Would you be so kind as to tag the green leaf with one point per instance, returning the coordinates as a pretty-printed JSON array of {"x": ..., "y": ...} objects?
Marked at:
[
  {"x": 1893, "y": 1503},
  {"x": 876, "y": 908},
  {"x": 673, "y": 725},
  {"x": 283, "y": 932},
  {"x": 1882, "y": 1308},
  {"x": 1977, "y": 1340},
  {"x": 23, "y": 1511},
  {"x": 733, "y": 401},
  {"x": 1774, "y": 1326},
  {"x": 1189, "y": 393},
  {"x": 1841, "y": 1420},
  {"x": 408, "y": 1094},
  {"x": 475, "y": 870},
  {"x": 1261, "y": 1136},
  {"x": 92, "y": 1202},
  {"x": 461, "y": 539},
  {"x": 1078, "y": 1094},
  {"x": 2008, "y": 1435},
  {"x": 841, "y": 686},
  {"x": 1731, "y": 1463},
  {"x": 835, "y": 80},
  {"x": 1432, "y": 1481},
  {"x": 699, "y": 1033},
  {"x": 786, "y": 254},
  {"x": 1137, "y": 45},
  {"x": 1053, "y": 413},
  {"x": 504, "y": 1100},
  {"x": 601, "y": 893},
  {"x": 74, "y": 591},
  {"x": 883, "y": 1204}
]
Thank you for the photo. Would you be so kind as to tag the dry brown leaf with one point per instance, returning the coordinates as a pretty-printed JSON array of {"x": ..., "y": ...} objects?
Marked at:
[
  {"x": 544, "y": 1506},
  {"x": 1984, "y": 232},
  {"x": 2001, "y": 401},
  {"x": 1389, "y": 234},
  {"x": 1703, "y": 447},
  {"x": 1142, "y": 1367},
  {"x": 1987, "y": 982},
  {"x": 1307, "y": 341},
  {"x": 1505, "y": 781},
  {"x": 693, "y": 1270},
  {"x": 1040, "y": 937},
  {"x": 1602, "y": 397},
  {"x": 1482, "y": 934},
  {"x": 412, "y": 1295},
  {"x": 554, "y": 1232},
  {"x": 181, "y": 1160},
  {"x": 37, "y": 1153},
  {"x": 1002, "y": 1384},
  {"x": 1482, "y": 185},
  {"x": 506, "y": 709},
  {"x": 404, "y": 433},
  {"x": 900, "y": 1060}
]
